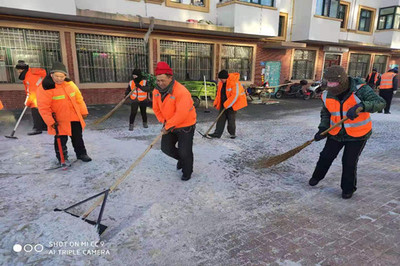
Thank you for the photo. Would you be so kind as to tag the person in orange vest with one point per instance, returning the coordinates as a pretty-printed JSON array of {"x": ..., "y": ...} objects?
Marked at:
[
  {"x": 139, "y": 97},
  {"x": 388, "y": 87},
  {"x": 1, "y": 105},
  {"x": 59, "y": 95},
  {"x": 32, "y": 78},
  {"x": 173, "y": 107},
  {"x": 343, "y": 96},
  {"x": 373, "y": 78},
  {"x": 232, "y": 97}
]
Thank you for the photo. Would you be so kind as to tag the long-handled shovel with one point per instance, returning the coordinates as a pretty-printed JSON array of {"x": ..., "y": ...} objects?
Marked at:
[
  {"x": 109, "y": 114},
  {"x": 208, "y": 131},
  {"x": 60, "y": 150},
  {"x": 283, "y": 157},
  {"x": 103, "y": 195},
  {"x": 16, "y": 125}
]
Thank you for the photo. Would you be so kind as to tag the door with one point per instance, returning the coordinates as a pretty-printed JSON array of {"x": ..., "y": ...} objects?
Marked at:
[
  {"x": 272, "y": 73},
  {"x": 332, "y": 60}
]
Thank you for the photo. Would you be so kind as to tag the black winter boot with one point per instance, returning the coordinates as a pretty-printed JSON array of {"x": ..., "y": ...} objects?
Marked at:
[{"x": 84, "y": 157}]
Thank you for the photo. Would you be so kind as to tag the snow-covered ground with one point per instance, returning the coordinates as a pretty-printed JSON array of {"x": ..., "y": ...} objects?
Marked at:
[{"x": 153, "y": 217}]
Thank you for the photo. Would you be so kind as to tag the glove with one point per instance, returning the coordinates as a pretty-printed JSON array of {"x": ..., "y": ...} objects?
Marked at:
[
  {"x": 394, "y": 92},
  {"x": 352, "y": 112},
  {"x": 318, "y": 135}
]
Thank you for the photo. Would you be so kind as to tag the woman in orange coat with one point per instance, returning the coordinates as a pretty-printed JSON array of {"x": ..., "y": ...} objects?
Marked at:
[
  {"x": 230, "y": 97},
  {"x": 61, "y": 97},
  {"x": 173, "y": 107}
]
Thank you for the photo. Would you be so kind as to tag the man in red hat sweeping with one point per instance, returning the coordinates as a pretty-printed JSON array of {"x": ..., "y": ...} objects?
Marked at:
[{"x": 173, "y": 107}]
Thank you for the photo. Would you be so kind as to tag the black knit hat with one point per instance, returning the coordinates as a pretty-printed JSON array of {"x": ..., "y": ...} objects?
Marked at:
[
  {"x": 137, "y": 72},
  {"x": 223, "y": 74},
  {"x": 58, "y": 67},
  {"x": 21, "y": 65}
]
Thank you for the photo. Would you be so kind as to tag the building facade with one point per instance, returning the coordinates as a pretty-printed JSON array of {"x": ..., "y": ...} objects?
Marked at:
[{"x": 264, "y": 40}]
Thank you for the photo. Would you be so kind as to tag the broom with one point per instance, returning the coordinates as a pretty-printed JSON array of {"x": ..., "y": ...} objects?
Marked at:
[
  {"x": 104, "y": 118},
  {"x": 283, "y": 157}
]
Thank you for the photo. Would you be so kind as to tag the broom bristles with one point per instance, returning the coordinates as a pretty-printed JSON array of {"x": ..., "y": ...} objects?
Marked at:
[{"x": 268, "y": 162}]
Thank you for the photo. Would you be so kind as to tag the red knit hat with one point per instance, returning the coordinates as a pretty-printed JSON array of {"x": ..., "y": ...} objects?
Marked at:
[{"x": 163, "y": 68}]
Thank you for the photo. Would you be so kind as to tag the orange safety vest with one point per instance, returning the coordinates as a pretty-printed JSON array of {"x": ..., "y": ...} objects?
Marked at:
[
  {"x": 358, "y": 127},
  {"x": 138, "y": 93},
  {"x": 375, "y": 79},
  {"x": 387, "y": 81},
  {"x": 1, "y": 105},
  {"x": 32, "y": 81},
  {"x": 177, "y": 109},
  {"x": 67, "y": 102},
  {"x": 236, "y": 96}
]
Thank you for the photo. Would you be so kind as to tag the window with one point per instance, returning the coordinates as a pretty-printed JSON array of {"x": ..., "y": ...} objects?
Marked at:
[
  {"x": 282, "y": 25},
  {"x": 196, "y": 5},
  {"x": 328, "y": 8},
  {"x": 38, "y": 48},
  {"x": 380, "y": 63},
  {"x": 389, "y": 18},
  {"x": 189, "y": 61},
  {"x": 237, "y": 59},
  {"x": 258, "y": 2},
  {"x": 365, "y": 20},
  {"x": 109, "y": 59},
  {"x": 303, "y": 64},
  {"x": 359, "y": 65},
  {"x": 343, "y": 14}
]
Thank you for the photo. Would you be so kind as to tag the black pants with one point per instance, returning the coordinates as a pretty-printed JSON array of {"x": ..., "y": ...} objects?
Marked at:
[
  {"x": 387, "y": 95},
  {"x": 134, "y": 108},
  {"x": 184, "y": 153},
  {"x": 352, "y": 151},
  {"x": 77, "y": 141},
  {"x": 38, "y": 123},
  {"x": 229, "y": 115}
]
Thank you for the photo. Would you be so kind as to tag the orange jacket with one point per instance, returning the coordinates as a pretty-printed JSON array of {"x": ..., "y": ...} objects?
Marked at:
[
  {"x": 138, "y": 93},
  {"x": 1, "y": 105},
  {"x": 32, "y": 81},
  {"x": 67, "y": 102},
  {"x": 234, "y": 92},
  {"x": 177, "y": 109},
  {"x": 358, "y": 127},
  {"x": 387, "y": 80},
  {"x": 375, "y": 79}
]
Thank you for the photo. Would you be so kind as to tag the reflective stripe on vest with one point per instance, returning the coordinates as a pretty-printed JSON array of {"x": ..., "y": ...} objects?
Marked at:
[
  {"x": 60, "y": 97},
  {"x": 387, "y": 80},
  {"x": 138, "y": 93},
  {"x": 72, "y": 94},
  {"x": 39, "y": 81},
  {"x": 358, "y": 127},
  {"x": 236, "y": 96}
]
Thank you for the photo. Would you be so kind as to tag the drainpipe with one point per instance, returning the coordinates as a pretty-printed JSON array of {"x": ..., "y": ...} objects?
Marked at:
[{"x": 291, "y": 20}]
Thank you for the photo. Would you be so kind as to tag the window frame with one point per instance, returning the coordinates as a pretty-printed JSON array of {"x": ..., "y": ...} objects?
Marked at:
[
  {"x": 251, "y": 61},
  {"x": 316, "y": 50},
  {"x": 372, "y": 20},
  {"x": 213, "y": 53},
  {"x": 113, "y": 57},
  {"x": 205, "y": 8},
  {"x": 386, "y": 63},
  {"x": 346, "y": 15},
  {"x": 368, "y": 68},
  {"x": 284, "y": 27},
  {"x": 42, "y": 53},
  {"x": 328, "y": 2},
  {"x": 396, "y": 8}
]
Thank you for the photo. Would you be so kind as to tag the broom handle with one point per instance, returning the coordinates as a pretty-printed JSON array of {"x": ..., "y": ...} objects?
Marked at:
[
  {"x": 123, "y": 177},
  {"x": 220, "y": 114},
  {"x": 104, "y": 118},
  {"x": 359, "y": 109}
]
